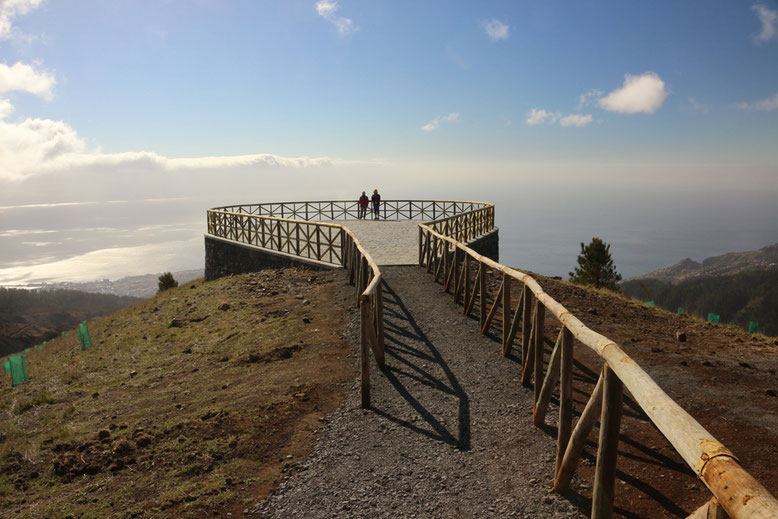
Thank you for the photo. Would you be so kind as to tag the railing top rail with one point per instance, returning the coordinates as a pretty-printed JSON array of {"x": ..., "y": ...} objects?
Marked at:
[
  {"x": 690, "y": 439},
  {"x": 383, "y": 201}
]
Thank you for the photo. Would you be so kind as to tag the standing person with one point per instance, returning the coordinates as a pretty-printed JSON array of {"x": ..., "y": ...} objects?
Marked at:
[
  {"x": 363, "y": 201},
  {"x": 376, "y": 198}
]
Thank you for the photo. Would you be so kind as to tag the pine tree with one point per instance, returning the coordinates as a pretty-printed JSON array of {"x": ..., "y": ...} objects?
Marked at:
[
  {"x": 167, "y": 281},
  {"x": 595, "y": 266}
]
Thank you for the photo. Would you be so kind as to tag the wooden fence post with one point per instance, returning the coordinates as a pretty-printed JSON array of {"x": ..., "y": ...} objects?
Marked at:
[
  {"x": 526, "y": 326},
  {"x": 364, "y": 364},
  {"x": 540, "y": 317},
  {"x": 466, "y": 302},
  {"x": 565, "y": 397},
  {"x": 608, "y": 448},
  {"x": 506, "y": 312},
  {"x": 578, "y": 439}
]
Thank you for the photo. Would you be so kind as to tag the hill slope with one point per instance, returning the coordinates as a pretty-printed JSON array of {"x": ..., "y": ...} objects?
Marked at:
[
  {"x": 186, "y": 400},
  {"x": 738, "y": 299},
  {"x": 730, "y": 263},
  {"x": 29, "y": 317}
]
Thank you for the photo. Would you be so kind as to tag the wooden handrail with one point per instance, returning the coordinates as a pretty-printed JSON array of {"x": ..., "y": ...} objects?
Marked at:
[{"x": 736, "y": 491}]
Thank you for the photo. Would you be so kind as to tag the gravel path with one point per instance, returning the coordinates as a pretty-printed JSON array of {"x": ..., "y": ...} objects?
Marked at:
[
  {"x": 388, "y": 242},
  {"x": 449, "y": 433}
]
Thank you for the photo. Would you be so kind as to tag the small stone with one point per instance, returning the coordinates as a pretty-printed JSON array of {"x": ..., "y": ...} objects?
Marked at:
[
  {"x": 680, "y": 336},
  {"x": 306, "y": 320},
  {"x": 103, "y": 434},
  {"x": 592, "y": 311},
  {"x": 133, "y": 373},
  {"x": 176, "y": 323},
  {"x": 224, "y": 307}
]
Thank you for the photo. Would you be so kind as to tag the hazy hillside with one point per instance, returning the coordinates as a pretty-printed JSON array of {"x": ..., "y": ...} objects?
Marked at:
[
  {"x": 29, "y": 317},
  {"x": 765, "y": 258},
  {"x": 738, "y": 298},
  {"x": 142, "y": 286}
]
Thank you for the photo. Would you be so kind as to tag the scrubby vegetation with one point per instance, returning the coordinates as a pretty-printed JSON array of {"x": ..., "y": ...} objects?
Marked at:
[
  {"x": 18, "y": 303},
  {"x": 738, "y": 299}
]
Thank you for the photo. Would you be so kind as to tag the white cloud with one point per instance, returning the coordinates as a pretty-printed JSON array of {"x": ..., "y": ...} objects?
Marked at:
[
  {"x": 768, "y": 18},
  {"x": 327, "y": 9},
  {"x": 25, "y": 78},
  {"x": 496, "y": 30},
  {"x": 38, "y": 146},
  {"x": 644, "y": 93},
  {"x": 576, "y": 120},
  {"x": 764, "y": 105},
  {"x": 587, "y": 98},
  {"x": 435, "y": 123},
  {"x": 539, "y": 116},
  {"x": 31, "y": 144},
  {"x": 5, "y": 108},
  {"x": 9, "y": 9},
  {"x": 697, "y": 107}
]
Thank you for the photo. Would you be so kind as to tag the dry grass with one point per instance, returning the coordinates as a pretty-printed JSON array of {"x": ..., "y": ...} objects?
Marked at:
[{"x": 189, "y": 402}]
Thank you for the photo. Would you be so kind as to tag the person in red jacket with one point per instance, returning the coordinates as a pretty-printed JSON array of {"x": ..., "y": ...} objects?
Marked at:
[
  {"x": 363, "y": 202},
  {"x": 376, "y": 199}
]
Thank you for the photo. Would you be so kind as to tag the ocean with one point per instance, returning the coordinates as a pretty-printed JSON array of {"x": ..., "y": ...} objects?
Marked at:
[{"x": 541, "y": 230}]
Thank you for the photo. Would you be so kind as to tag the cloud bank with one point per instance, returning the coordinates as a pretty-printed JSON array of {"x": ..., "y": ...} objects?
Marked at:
[{"x": 639, "y": 94}]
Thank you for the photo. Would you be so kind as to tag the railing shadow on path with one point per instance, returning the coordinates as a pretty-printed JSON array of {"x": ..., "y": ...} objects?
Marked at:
[{"x": 410, "y": 349}]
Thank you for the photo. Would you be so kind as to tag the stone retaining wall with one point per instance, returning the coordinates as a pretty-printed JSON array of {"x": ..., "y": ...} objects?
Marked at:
[{"x": 225, "y": 257}]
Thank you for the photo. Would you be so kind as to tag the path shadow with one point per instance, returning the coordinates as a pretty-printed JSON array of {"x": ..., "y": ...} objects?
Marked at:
[{"x": 409, "y": 349}]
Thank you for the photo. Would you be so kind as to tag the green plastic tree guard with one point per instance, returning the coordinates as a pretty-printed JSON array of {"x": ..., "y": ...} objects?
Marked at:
[
  {"x": 681, "y": 310},
  {"x": 18, "y": 370},
  {"x": 753, "y": 327}
]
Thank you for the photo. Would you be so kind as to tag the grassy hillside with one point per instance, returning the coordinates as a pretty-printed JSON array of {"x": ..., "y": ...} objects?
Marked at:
[
  {"x": 194, "y": 401},
  {"x": 29, "y": 317},
  {"x": 738, "y": 299}
]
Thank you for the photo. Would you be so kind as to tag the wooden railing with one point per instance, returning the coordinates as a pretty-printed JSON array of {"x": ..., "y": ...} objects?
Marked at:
[
  {"x": 330, "y": 210},
  {"x": 299, "y": 229},
  {"x": 312, "y": 240},
  {"x": 463, "y": 273}
]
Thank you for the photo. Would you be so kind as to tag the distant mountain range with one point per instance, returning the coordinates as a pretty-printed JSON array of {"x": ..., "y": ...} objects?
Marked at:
[
  {"x": 727, "y": 264},
  {"x": 143, "y": 286}
]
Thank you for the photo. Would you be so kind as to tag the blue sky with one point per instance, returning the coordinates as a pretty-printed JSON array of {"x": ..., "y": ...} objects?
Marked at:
[
  {"x": 198, "y": 78},
  {"x": 140, "y": 100}
]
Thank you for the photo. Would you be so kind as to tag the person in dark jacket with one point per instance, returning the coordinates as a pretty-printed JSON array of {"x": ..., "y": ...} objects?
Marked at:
[
  {"x": 363, "y": 203},
  {"x": 376, "y": 199}
]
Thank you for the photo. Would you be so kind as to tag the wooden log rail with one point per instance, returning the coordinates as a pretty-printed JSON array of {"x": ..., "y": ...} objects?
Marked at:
[{"x": 463, "y": 273}]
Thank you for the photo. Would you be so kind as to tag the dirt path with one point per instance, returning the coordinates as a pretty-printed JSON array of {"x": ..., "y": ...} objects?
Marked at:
[{"x": 449, "y": 433}]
